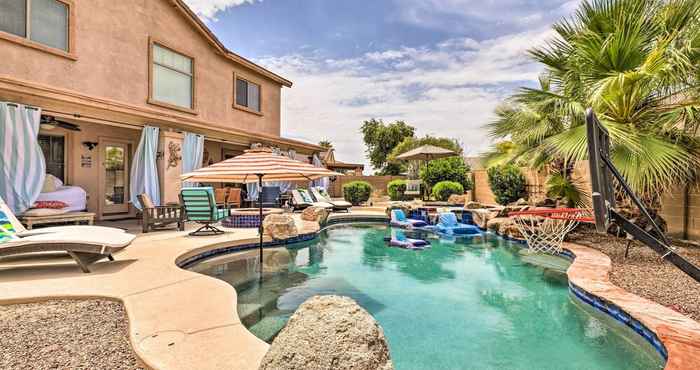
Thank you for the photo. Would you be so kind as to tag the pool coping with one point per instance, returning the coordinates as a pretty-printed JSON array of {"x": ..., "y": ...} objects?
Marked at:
[{"x": 203, "y": 327}]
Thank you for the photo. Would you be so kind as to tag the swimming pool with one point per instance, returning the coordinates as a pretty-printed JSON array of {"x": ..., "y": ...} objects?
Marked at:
[{"x": 467, "y": 304}]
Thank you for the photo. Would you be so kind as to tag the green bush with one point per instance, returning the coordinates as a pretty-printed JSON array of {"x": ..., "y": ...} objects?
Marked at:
[
  {"x": 447, "y": 169},
  {"x": 443, "y": 189},
  {"x": 396, "y": 188},
  {"x": 357, "y": 192},
  {"x": 507, "y": 183}
]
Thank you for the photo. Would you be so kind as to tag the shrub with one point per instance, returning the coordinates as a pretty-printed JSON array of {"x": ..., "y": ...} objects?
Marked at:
[
  {"x": 443, "y": 189},
  {"x": 357, "y": 192},
  {"x": 507, "y": 183},
  {"x": 396, "y": 188},
  {"x": 447, "y": 169}
]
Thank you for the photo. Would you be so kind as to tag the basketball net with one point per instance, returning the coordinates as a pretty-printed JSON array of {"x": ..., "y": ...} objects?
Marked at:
[{"x": 545, "y": 229}]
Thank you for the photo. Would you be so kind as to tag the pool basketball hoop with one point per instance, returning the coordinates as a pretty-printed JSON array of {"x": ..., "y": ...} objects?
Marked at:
[{"x": 545, "y": 229}]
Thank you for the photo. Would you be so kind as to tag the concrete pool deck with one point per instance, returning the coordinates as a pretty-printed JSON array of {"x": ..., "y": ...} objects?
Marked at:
[{"x": 180, "y": 319}]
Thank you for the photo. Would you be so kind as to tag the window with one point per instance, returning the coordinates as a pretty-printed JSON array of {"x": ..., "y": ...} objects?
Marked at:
[
  {"x": 42, "y": 21},
  {"x": 172, "y": 78},
  {"x": 247, "y": 95},
  {"x": 53, "y": 148}
]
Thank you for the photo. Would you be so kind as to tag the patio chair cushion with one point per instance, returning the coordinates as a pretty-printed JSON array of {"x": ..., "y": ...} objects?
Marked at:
[
  {"x": 7, "y": 231},
  {"x": 200, "y": 204},
  {"x": 306, "y": 196}
]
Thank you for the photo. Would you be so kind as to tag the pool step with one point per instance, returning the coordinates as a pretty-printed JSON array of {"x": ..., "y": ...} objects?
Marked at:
[{"x": 267, "y": 328}]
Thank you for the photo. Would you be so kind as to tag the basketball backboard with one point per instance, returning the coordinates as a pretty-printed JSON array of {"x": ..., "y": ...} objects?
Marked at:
[{"x": 602, "y": 189}]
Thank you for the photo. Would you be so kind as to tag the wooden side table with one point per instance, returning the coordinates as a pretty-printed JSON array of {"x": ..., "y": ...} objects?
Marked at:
[{"x": 77, "y": 217}]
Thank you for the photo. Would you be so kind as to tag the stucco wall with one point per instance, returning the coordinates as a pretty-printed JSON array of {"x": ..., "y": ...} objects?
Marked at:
[{"x": 111, "y": 41}]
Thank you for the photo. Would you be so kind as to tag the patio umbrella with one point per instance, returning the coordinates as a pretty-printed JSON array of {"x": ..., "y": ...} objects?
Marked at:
[
  {"x": 254, "y": 165},
  {"x": 427, "y": 153}
]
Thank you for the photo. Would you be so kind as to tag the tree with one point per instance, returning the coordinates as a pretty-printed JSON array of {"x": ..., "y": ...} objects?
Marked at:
[
  {"x": 326, "y": 144},
  {"x": 636, "y": 62},
  {"x": 507, "y": 183},
  {"x": 381, "y": 139},
  {"x": 447, "y": 169}
]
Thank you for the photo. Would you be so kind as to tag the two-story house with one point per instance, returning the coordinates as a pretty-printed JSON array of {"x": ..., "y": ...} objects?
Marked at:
[{"x": 100, "y": 70}]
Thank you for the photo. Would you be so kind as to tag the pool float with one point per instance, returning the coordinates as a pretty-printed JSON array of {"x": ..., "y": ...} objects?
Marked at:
[{"x": 399, "y": 219}]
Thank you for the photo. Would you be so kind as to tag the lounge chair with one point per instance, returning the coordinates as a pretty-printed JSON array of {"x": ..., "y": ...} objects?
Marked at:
[
  {"x": 399, "y": 239},
  {"x": 302, "y": 200},
  {"x": 338, "y": 205},
  {"x": 7, "y": 217},
  {"x": 158, "y": 217},
  {"x": 200, "y": 206},
  {"x": 399, "y": 219},
  {"x": 449, "y": 225},
  {"x": 84, "y": 248}
]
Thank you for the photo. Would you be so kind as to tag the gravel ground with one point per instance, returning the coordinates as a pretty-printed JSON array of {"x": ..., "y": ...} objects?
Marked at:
[
  {"x": 64, "y": 334},
  {"x": 644, "y": 272}
]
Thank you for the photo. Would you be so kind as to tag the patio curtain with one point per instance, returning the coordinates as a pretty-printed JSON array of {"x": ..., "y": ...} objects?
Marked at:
[
  {"x": 21, "y": 160},
  {"x": 192, "y": 154},
  {"x": 283, "y": 185},
  {"x": 322, "y": 182},
  {"x": 144, "y": 170}
]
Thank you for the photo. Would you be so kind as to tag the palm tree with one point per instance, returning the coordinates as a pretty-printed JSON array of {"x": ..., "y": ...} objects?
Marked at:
[{"x": 637, "y": 63}]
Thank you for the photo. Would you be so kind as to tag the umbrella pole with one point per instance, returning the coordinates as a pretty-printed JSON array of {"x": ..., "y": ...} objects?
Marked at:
[{"x": 260, "y": 227}]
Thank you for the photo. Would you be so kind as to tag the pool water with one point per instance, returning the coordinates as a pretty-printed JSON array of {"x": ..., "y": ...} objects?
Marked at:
[{"x": 466, "y": 304}]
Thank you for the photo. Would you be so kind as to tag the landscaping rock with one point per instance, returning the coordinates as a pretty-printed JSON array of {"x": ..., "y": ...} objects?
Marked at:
[
  {"x": 329, "y": 332},
  {"x": 473, "y": 205},
  {"x": 280, "y": 226},
  {"x": 494, "y": 224},
  {"x": 481, "y": 217},
  {"x": 317, "y": 214},
  {"x": 457, "y": 199},
  {"x": 546, "y": 202}
]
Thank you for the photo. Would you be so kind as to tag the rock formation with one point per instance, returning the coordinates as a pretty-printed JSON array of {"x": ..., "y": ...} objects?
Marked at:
[
  {"x": 329, "y": 332},
  {"x": 280, "y": 226}
]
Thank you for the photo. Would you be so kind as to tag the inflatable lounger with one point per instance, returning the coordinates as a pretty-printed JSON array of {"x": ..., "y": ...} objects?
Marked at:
[
  {"x": 449, "y": 225},
  {"x": 400, "y": 240},
  {"x": 399, "y": 219}
]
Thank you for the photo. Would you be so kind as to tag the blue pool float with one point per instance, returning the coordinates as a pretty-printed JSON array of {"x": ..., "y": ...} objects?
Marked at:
[
  {"x": 399, "y": 219},
  {"x": 400, "y": 240},
  {"x": 449, "y": 225}
]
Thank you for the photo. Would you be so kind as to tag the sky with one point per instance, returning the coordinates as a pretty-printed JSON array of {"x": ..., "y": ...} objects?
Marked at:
[{"x": 441, "y": 66}]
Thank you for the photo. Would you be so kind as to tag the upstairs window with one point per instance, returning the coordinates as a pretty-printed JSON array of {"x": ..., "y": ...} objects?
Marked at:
[
  {"x": 247, "y": 95},
  {"x": 173, "y": 78},
  {"x": 41, "y": 21}
]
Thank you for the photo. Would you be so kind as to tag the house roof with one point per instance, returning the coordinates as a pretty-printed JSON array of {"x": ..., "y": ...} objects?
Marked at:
[{"x": 219, "y": 46}]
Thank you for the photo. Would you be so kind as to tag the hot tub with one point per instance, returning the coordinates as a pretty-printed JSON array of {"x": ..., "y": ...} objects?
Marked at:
[{"x": 244, "y": 218}]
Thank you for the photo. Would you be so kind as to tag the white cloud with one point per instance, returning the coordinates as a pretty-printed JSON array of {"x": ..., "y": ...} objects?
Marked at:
[
  {"x": 207, "y": 9},
  {"x": 448, "y": 89}
]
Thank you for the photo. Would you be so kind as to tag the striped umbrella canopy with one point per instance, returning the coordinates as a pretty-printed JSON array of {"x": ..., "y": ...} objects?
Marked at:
[{"x": 246, "y": 168}]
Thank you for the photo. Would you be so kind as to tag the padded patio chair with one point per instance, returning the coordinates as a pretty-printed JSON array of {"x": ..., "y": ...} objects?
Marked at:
[
  {"x": 302, "y": 200},
  {"x": 399, "y": 219},
  {"x": 199, "y": 205},
  {"x": 22, "y": 232},
  {"x": 271, "y": 196},
  {"x": 158, "y": 217},
  {"x": 448, "y": 224},
  {"x": 320, "y": 195}
]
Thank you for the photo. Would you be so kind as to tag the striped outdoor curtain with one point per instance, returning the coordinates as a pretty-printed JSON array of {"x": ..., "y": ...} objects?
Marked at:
[
  {"x": 322, "y": 182},
  {"x": 192, "y": 153},
  {"x": 144, "y": 170},
  {"x": 21, "y": 160}
]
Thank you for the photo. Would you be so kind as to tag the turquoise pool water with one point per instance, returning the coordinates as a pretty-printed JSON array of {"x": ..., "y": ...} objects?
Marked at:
[{"x": 467, "y": 304}]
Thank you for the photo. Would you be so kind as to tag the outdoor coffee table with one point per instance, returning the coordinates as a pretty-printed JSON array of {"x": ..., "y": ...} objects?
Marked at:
[{"x": 76, "y": 217}]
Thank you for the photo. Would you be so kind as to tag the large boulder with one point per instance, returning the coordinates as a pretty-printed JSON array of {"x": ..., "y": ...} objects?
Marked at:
[
  {"x": 280, "y": 226},
  {"x": 316, "y": 214},
  {"x": 494, "y": 224},
  {"x": 481, "y": 217},
  {"x": 329, "y": 332}
]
